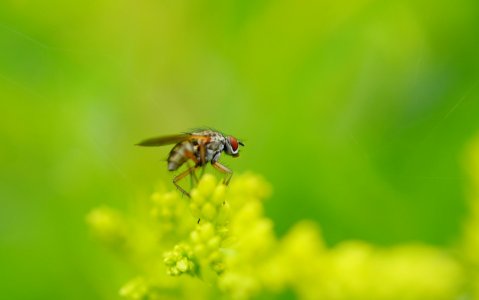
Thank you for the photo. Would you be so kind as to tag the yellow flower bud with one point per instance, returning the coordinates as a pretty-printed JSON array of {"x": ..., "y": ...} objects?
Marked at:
[{"x": 208, "y": 211}]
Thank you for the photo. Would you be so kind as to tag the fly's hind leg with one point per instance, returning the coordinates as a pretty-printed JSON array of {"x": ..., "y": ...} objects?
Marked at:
[
  {"x": 223, "y": 169},
  {"x": 194, "y": 178},
  {"x": 182, "y": 175}
]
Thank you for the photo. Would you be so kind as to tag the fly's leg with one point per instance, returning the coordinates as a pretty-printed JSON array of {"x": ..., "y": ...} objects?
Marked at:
[
  {"x": 224, "y": 170},
  {"x": 202, "y": 148},
  {"x": 181, "y": 176},
  {"x": 193, "y": 178},
  {"x": 191, "y": 156}
]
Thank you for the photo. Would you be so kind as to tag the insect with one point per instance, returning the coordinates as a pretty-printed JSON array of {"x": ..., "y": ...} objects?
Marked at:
[{"x": 201, "y": 147}]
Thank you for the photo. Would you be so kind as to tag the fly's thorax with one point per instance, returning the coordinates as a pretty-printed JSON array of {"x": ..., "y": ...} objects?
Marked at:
[
  {"x": 209, "y": 133},
  {"x": 216, "y": 144},
  {"x": 214, "y": 148},
  {"x": 182, "y": 151}
]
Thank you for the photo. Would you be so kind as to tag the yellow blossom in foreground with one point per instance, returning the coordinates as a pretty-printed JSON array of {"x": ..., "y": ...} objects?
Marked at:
[{"x": 219, "y": 244}]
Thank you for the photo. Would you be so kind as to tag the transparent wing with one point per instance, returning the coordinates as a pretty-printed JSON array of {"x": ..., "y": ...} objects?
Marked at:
[{"x": 164, "y": 140}]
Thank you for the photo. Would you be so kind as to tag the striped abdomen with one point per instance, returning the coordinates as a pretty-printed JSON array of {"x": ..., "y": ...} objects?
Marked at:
[{"x": 177, "y": 156}]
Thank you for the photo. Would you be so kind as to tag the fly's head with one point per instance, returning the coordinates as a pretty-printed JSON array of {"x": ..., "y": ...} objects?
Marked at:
[{"x": 232, "y": 146}]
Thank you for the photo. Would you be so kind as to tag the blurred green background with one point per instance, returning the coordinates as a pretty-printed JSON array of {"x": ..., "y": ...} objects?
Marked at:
[{"x": 357, "y": 112}]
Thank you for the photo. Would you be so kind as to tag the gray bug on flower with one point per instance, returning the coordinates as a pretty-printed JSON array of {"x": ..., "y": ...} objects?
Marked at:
[{"x": 201, "y": 147}]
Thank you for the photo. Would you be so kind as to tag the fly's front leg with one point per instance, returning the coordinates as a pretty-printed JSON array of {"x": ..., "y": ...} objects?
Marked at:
[
  {"x": 181, "y": 176},
  {"x": 224, "y": 170}
]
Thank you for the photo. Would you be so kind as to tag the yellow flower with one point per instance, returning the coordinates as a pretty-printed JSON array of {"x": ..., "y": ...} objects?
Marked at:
[
  {"x": 180, "y": 261},
  {"x": 223, "y": 241}
]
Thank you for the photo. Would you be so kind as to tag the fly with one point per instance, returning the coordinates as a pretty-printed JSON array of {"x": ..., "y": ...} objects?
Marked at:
[{"x": 201, "y": 147}]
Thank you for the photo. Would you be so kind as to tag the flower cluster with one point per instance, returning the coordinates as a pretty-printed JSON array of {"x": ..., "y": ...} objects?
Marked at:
[{"x": 219, "y": 243}]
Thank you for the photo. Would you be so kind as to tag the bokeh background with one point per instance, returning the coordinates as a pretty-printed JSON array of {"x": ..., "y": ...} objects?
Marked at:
[{"x": 357, "y": 112}]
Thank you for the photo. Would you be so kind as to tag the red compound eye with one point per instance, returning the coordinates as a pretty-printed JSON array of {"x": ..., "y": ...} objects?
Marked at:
[{"x": 234, "y": 143}]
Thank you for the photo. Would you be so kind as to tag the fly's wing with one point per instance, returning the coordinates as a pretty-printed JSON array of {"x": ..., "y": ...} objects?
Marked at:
[{"x": 164, "y": 140}]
